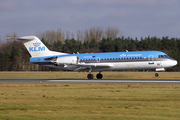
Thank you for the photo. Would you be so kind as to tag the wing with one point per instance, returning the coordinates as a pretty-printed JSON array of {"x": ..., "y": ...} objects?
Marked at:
[{"x": 87, "y": 67}]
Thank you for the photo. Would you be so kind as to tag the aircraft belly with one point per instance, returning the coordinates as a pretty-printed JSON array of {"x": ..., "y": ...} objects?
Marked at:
[
  {"x": 134, "y": 65},
  {"x": 129, "y": 65}
]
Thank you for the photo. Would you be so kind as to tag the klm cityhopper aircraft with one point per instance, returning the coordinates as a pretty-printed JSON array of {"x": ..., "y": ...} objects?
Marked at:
[{"x": 96, "y": 62}]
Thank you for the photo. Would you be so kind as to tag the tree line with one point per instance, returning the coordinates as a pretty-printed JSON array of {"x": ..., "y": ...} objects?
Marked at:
[{"x": 14, "y": 56}]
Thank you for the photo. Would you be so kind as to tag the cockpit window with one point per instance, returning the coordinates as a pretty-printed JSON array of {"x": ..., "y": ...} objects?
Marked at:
[{"x": 163, "y": 56}]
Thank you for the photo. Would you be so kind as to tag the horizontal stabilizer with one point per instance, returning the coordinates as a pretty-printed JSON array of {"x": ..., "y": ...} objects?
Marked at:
[{"x": 26, "y": 38}]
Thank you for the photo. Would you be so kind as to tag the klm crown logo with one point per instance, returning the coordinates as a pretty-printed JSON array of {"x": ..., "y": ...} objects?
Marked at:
[
  {"x": 36, "y": 44},
  {"x": 36, "y": 47}
]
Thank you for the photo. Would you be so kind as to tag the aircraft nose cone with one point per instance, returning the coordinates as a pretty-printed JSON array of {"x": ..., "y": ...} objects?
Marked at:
[
  {"x": 173, "y": 62},
  {"x": 176, "y": 62}
]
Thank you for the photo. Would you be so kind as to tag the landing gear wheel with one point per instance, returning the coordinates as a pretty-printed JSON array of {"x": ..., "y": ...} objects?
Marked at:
[
  {"x": 99, "y": 76},
  {"x": 156, "y": 74},
  {"x": 90, "y": 76}
]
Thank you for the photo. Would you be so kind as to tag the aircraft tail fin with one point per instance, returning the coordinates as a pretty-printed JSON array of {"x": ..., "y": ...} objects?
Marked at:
[{"x": 35, "y": 47}]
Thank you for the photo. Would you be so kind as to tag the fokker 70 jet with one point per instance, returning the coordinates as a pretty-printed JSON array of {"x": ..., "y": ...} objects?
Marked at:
[{"x": 96, "y": 62}]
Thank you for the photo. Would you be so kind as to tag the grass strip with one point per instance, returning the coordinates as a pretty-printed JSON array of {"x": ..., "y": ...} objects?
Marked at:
[{"x": 89, "y": 101}]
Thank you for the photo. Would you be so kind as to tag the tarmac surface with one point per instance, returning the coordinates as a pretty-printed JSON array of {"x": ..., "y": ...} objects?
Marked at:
[{"x": 86, "y": 81}]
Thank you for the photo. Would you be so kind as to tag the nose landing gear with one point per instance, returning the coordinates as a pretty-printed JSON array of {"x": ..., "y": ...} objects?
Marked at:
[{"x": 156, "y": 74}]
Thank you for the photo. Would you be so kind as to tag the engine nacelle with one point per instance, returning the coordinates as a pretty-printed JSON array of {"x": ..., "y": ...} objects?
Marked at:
[{"x": 66, "y": 60}]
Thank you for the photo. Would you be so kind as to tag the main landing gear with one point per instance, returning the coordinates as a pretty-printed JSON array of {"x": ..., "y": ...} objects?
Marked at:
[
  {"x": 90, "y": 76},
  {"x": 98, "y": 76}
]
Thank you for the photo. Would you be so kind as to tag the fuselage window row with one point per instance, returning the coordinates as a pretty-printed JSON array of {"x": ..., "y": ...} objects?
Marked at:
[
  {"x": 159, "y": 56},
  {"x": 112, "y": 59}
]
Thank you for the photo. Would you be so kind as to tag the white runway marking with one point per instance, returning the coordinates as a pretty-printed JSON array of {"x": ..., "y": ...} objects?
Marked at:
[{"x": 116, "y": 81}]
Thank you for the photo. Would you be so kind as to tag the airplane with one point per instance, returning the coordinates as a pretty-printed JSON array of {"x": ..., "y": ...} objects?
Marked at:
[{"x": 96, "y": 62}]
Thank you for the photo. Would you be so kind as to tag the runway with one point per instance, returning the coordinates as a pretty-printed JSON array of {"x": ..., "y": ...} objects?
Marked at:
[{"x": 85, "y": 81}]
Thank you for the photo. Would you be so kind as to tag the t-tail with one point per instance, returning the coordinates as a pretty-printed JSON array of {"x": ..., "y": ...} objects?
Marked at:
[{"x": 36, "y": 48}]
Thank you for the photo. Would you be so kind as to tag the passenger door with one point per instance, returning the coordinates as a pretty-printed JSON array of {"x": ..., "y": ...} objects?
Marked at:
[{"x": 150, "y": 60}]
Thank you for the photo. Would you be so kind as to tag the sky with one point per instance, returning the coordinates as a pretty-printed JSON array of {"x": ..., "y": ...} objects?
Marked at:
[{"x": 136, "y": 18}]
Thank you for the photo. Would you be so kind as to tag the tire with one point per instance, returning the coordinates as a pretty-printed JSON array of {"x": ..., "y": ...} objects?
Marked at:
[
  {"x": 99, "y": 76},
  {"x": 90, "y": 76},
  {"x": 156, "y": 74}
]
